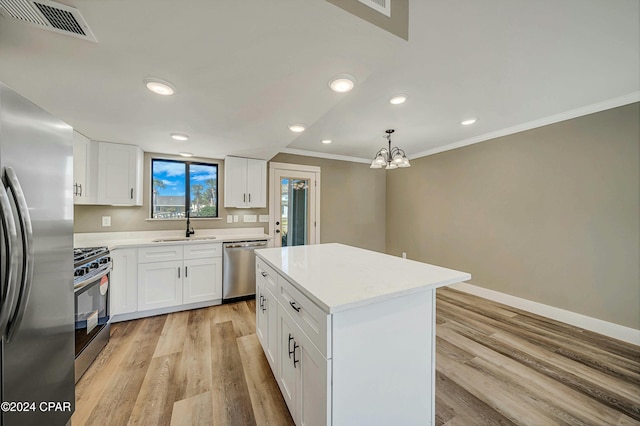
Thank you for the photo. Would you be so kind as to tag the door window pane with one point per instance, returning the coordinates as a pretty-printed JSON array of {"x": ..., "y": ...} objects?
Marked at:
[{"x": 294, "y": 217}]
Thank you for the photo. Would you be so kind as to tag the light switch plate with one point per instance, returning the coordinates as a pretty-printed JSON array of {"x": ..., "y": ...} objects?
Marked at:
[
  {"x": 264, "y": 218},
  {"x": 229, "y": 218},
  {"x": 249, "y": 218},
  {"x": 235, "y": 217},
  {"x": 106, "y": 220}
]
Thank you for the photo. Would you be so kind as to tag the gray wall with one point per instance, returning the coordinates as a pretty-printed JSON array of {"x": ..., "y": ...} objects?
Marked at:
[
  {"x": 550, "y": 215},
  {"x": 352, "y": 201},
  {"x": 89, "y": 218}
]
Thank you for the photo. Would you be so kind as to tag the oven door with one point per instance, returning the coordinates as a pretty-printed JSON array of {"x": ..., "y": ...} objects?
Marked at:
[{"x": 92, "y": 309}]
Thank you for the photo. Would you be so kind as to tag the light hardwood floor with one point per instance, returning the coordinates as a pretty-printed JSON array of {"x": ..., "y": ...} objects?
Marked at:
[{"x": 495, "y": 365}]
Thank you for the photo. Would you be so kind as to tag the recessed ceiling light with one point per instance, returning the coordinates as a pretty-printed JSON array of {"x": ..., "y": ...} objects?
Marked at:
[
  {"x": 342, "y": 83},
  {"x": 297, "y": 128},
  {"x": 326, "y": 141},
  {"x": 160, "y": 87},
  {"x": 468, "y": 121},
  {"x": 186, "y": 154},
  {"x": 179, "y": 136},
  {"x": 398, "y": 99}
]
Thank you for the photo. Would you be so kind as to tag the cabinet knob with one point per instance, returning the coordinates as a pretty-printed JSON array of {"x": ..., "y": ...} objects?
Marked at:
[{"x": 264, "y": 274}]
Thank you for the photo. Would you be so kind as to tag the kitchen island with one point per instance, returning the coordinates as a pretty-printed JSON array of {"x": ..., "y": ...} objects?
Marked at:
[{"x": 350, "y": 333}]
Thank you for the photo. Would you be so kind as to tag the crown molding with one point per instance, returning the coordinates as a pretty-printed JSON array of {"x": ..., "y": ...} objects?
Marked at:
[{"x": 563, "y": 116}]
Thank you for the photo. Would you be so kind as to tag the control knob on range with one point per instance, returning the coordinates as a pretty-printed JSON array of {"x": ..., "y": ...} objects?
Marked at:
[
  {"x": 80, "y": 271},
  {"x": 104, "y": 260},
  {"x": 94, "y": 265}
]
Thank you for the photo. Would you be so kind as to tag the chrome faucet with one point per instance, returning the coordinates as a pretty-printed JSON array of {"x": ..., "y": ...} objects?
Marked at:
[{"x": 190, "y": 230}]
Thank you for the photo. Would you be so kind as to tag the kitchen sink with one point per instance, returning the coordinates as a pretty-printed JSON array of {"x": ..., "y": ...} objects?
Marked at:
[{"x": 180, "y": 239}]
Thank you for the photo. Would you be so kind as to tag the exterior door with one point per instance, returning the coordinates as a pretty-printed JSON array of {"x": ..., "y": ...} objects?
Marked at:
[{"x": 295, "y": 200}]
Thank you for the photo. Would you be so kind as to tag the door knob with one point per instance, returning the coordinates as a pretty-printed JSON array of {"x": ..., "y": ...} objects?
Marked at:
[{"x": 277, "y": 231}]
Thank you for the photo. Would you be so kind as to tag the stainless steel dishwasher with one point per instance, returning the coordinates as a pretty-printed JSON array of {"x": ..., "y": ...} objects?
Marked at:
[{"x": 239, "y": 270}]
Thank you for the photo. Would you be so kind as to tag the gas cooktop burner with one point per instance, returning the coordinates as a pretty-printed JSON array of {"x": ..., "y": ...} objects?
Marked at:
[{"x": 84, "y": 255}]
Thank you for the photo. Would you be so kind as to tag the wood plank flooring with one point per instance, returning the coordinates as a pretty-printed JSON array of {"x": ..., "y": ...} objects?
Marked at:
[{"x": 495, "y": 365}]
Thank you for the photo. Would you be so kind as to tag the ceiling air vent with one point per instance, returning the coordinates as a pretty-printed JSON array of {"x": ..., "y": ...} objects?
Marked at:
[
  {"x": 382, "y": 6},
  {"x": 48, "y": 15}
]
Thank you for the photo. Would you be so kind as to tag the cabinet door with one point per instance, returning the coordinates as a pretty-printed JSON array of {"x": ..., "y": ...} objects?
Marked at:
[
  {"x": 287, "y": 374},
  {"x": 159, "y": 285},
  {"x": 262, "y": 321},
  {"x": 123, "y": 294},
  {"x": 256, "y": 183},
  {"x": 235, "y": 182},
  {"x": 202, "y": 280},
  {"x": 314, "y": 392},
  {"x": 266, "y": 324},
  {"x": 80, "y": 168},
  {"x": 119, "y": 174},
  {"x": 271, "y": 306}
]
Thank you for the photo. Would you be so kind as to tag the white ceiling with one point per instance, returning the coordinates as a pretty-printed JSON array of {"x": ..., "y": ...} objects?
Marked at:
[{"x": 246, "y": 69}]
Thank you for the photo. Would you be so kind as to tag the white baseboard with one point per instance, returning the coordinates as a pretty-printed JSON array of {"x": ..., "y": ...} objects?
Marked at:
[{"x": 620, "y": 332}]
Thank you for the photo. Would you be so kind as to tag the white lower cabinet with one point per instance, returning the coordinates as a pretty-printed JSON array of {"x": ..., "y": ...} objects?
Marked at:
[
  {"x": 159, "y": 285},
  {"x": 266, "y": 318},
  {"x": 200, "y": 284},
  {"x": 162, "y": 278},
  {"x": 123, "y": 292},
  {"x": 302, "y": 371},
  {"x": 303, "y": 374}
]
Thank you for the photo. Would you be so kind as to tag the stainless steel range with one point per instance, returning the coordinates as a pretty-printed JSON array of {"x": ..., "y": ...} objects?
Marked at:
[{"x": 92, "y": 268}]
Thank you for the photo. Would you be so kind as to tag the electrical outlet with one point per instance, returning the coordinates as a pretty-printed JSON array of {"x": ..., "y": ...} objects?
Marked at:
[
  {"x": 404, "y": 255},
  {"x": 106, "y": 220},
  {"x": 229, "y": 218},
  {"x": 235, "y": 217}
]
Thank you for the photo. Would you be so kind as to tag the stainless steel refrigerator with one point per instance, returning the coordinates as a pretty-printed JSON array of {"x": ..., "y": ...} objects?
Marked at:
[{"x": 36, "y": 285}]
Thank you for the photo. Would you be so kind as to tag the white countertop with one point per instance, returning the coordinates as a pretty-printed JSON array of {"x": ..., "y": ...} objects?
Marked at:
[
  {"x": 339, "y": 277},
  {"x": 115, "y": 240}
]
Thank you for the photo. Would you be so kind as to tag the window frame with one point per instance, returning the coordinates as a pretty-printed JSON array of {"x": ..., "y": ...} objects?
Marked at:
[{"x": 187, "y": 187}]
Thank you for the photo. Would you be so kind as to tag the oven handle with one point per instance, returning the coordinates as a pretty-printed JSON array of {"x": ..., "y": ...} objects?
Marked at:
[
  {"x": 83, "y": 284},
  {"x": 10, "y": 243},
  {"x": 27, "y": 251}
]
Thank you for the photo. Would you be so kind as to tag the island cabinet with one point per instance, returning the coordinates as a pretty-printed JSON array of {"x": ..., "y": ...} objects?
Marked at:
[{"x": 354, "y": 333}]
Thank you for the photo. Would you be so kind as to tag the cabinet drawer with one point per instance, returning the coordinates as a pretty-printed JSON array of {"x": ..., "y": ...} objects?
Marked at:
[
  {"x": 201, "y": 251},
  {"x": 313, "y": 321},
  {"x": 266, "y": 275},
  {"x": 159, "y": 253}
]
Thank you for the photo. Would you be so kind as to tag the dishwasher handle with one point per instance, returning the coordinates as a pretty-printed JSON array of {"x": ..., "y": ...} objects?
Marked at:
[{"x": 247, "y": 244}]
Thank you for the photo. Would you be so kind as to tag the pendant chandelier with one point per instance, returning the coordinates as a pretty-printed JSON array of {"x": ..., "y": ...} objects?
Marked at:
[{"x": 390, "y": 158}]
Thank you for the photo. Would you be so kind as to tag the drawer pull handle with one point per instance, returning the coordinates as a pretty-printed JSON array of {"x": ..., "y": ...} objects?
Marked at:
[
  {"x": 294, "y": 306},
  {"x": 264, "y": 274},
  {"x": 263, "y": 306},
  {"x": 295, "y": 361},
  {"x": 290, "y": 351}
]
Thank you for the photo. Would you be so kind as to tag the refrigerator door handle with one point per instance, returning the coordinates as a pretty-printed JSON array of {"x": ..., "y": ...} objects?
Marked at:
[
  {"x": 10, "y": 242},
  {"x": 26, "y": 232}
]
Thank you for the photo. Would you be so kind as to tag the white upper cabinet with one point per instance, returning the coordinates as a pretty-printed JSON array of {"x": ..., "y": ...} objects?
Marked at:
[
  {"x": 245, "y": 182},
  {"x": 120, "y": 170},
  {"x": 81, "y": 160}
]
